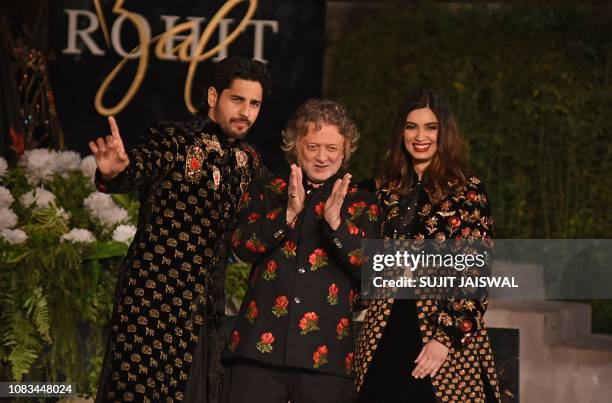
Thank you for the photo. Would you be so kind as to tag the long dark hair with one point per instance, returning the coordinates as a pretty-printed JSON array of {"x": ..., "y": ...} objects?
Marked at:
[{"x": 448, "y": 166}]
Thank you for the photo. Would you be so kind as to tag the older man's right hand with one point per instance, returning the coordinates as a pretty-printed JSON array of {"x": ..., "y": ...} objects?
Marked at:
[{"x": 297, "y": 194}]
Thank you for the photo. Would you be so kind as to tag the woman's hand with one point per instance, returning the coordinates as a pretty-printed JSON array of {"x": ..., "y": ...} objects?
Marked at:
[
  {"x": 430, "y": 359},
  {"x": 297, "y": 195},
  {"x": 334, "y": 202}
]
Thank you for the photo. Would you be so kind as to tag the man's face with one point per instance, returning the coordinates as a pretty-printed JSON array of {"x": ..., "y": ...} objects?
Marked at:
[
  {"x": 320, "y": 152},
  {"x": 236, "y": 108}
]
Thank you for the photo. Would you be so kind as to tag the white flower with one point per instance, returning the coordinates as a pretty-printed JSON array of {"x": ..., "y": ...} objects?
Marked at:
[
  {"x": 102, "y": 207},
  {"x": 67, "y": 161},
  {"x": 8, "y": 219},
  {"x": 13, "y": 236},
  {"x": 6, "y": 198},
  {"x": 39, "y": 164},
  {"x": 3, "y": 167},
  {"x": 65, "y": 215},
  {"x": 88, "y": 167},
  {"x": 78, "y": 235},
  {"x": 42, "y": 197},
  {"x": 124, "y": 233}
]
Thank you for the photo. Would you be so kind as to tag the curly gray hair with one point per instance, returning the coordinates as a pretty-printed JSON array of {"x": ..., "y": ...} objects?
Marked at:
[{"x": 320, "y": 112}]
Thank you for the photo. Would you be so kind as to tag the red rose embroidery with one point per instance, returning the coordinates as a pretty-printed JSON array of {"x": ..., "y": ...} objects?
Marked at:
[
  {"x": 472, "y": 196},
  {"x": 352, "y": 190},
  {"x": 194, "y": 164},
  {"x": 317, "y": 259},
  {"x": 277, "y": 185},
  {"x": 465, "y": 326},
  {"x": 373, "y": 212},
  {"x": 348, "y": 362},
  {"x": 356, "y": 257},
  {"x": 309, "y": 323},
  {"x": 236, "y": 238},
  {"x": 252, "y": 312},
  {"x": 280, "y": 306},
  {"x": 342, "y": 328},
  {"x": 234, "y": 341},
  {"x": 332, "y": 295},
  {"x": 319, "y": 357},
  {"x": 356, "y": 209},
  {"x": 270, "y": 273},
  {"x": 454, "y": 222},
  {"x": 352, "y": 228},
  {"x": 255, "y": 245},
  {"x": 289, "y": 249},
  {"x": 272, "y": 215},
  {"x": 253, "y": 217},
  {"x": 264, "y": 345},
  {"x": 320, "y": 209}
]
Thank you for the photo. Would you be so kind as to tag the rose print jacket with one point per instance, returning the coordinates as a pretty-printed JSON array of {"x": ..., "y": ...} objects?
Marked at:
[{"x": 298, "y": 308}]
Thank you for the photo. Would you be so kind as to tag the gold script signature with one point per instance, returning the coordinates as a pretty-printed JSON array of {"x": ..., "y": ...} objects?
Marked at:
[{"x": 181, "y": 50}]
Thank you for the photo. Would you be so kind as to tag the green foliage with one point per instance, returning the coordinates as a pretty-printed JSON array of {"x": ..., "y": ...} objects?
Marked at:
[
  {"x": 56, "y": 295},
  {"x": 530, "y": 86},
  {"x": 236, "y": 283}
]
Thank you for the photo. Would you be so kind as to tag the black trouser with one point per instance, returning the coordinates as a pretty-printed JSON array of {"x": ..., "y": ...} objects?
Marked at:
[{"x": 251, "y": 381}]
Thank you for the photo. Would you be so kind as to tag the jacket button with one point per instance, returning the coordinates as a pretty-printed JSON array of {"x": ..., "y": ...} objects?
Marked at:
[
  {"x": 302, "y": 270},
  {"x": 278, "y": 234},
  {"x": 337, "y": 243},
  {"x": 297, "y": 300}
]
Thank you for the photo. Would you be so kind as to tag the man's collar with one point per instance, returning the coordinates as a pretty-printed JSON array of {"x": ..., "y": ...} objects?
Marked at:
[
  {"x": 329, "y": 183},
  {"x": 211, "y": 127}
]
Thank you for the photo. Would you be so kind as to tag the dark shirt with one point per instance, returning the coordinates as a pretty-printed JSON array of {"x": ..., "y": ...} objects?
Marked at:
[{"x": 298, "y": 309}]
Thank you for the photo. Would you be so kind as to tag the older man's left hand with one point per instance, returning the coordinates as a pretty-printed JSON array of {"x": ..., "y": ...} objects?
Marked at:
[{"x": 334, "y": 202}]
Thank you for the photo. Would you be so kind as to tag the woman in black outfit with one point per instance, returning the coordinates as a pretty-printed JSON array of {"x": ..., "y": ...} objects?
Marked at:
[{"x": 427, "y": 350}]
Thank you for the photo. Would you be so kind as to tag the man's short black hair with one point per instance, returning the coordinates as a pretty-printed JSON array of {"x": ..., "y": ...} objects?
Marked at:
[
  {"x": 224, "y": 72},
  {"x": 233, "y": 67}
]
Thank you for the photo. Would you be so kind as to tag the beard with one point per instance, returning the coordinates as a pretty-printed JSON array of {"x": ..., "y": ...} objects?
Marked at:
[{"x": 237, "y": 134}]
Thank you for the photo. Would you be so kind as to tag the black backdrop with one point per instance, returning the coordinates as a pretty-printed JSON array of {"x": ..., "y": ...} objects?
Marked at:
[{"x": 293, "y": 40}]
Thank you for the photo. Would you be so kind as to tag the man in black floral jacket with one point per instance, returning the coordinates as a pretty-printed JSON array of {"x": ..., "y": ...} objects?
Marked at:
[{"x": 293, "y": 339}]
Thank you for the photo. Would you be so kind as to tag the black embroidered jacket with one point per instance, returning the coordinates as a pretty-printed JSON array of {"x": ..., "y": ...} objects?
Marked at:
[
  {"x": 170, "y": 294},
  {"x": 298, "y": 308},
  {"x": 463, "y": 215}
]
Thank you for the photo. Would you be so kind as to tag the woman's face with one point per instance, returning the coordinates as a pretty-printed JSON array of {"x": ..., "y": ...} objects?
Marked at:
[{"x": 421, "y": 135}]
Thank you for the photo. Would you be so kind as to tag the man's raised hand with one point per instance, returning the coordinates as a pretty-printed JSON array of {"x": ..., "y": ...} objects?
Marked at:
[
  {"x": 109, "y": 153},
  {"x": 297, "y": 194},
  {"x": 334, "y": 202}
]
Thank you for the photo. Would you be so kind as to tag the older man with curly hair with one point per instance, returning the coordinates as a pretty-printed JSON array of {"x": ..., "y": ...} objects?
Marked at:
[{"x": 293, "y": 339}]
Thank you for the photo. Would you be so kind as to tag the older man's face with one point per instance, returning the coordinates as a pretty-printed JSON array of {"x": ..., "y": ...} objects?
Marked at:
[{"x": 321, "y": 152}]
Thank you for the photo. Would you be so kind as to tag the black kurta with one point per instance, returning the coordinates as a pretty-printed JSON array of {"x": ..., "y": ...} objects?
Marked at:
[
  {"x": 297, "y": 311},
  {"x": 170, "y": 294}
]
